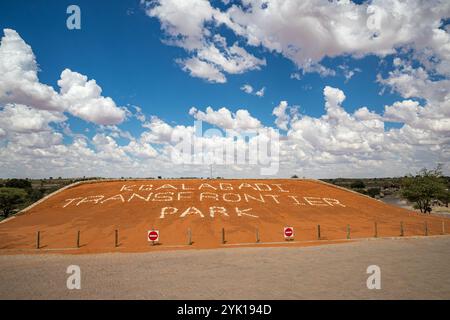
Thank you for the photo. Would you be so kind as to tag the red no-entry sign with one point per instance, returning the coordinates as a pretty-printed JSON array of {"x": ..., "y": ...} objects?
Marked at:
[
  {"x": 288, "y": 232},
  {"x": 153, "y": 235}
]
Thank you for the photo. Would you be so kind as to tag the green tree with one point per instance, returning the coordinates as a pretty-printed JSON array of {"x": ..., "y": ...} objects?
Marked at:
[
  {"x": 373, "y": 191},
  {"x": 423, "y": 188},
  {"x": 35, "y": 194},
  {"x": 18, "y": 183},
  {"x": 444, "y": 197},
  {"x": 358, "y": 184},
  {"x": 10, "y": 198}
]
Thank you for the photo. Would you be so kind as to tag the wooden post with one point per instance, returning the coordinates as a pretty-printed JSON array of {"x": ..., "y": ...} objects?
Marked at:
[
  {"x": 257, "y": 235},
  {"x": 375, "y": 229},
  {"x": 116, "y": 238},
  {"x": 348, "y": 231},
  {"x": 223, "y": 235},
  {"x": 189, "y": 237},
  {"x": 78, "y": 239},
  {"x": 426, "y": 228},
  {"x": 38, "y": 240},
  {"x": 443, "y": 227},
  {"x": 318, "y": 232},
  {"x": 402, "y": 232}
]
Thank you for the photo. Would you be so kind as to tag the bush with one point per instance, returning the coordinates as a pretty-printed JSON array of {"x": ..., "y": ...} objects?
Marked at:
[
  {"x": 373, "y": 192},
  {"x": 18, "y": 183},
  {"x": 358, "y": 185},
  {"x": 10, "y": 198},
  {"x": 35, "y": 194},
  {"x": 444, "y": 197}
]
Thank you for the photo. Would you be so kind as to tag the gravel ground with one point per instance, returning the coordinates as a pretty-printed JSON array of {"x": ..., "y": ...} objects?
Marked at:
[{"x": 410, "y": 269}]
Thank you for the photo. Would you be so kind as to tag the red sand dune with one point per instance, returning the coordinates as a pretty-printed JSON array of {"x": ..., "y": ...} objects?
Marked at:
[{"x": 205, "y": 207}]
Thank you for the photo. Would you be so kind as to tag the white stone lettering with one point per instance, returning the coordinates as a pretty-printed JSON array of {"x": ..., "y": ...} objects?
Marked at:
[
  {"x": 192, "y": 210},
  {"x": 116, "y": 197},
  {"x": 227, "y": 196},
  {"x": 135, "y": 195},
  {"x": 315, "y": 201},
  {"x": 333, "y": 202},
  {"x": 167, "y": 210},
  {"x": 71, "y": 200},
  {"x": 163, "y": 196},
  {"x": 243, "y": 212},
  {"x": 214, "y": 210}
]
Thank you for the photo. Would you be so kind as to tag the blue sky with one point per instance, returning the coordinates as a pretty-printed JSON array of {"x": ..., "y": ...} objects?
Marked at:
[
  {"x": 124, "y": 53},
  {"x": 122, "y": 46}
]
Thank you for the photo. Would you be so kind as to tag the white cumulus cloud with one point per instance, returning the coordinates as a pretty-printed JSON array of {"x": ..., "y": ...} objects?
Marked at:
[{"x": 19, "y": 84}]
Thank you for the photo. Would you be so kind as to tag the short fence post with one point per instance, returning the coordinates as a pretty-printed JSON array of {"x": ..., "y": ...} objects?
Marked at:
[
  {"x": 223, "y": 235},
  {"x": 443, "y": 227},
  {"x": 257, "y": 235},
  {"x": 189, "y": 236},
  {"x": 38, "y": 240},
  {"x": 116, "y": 238},
  {"x": 402, "y": 232},
  {"x": 348, "y": 231},
  {"x": 376, "y": 229},
  {"x": 318, "y": 232},
  {"x": 426, "y": 228},
  {"x": 78, "y": 239}
]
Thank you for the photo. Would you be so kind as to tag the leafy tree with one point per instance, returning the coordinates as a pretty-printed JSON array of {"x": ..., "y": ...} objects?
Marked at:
[
  {"x": 423, "y": 188},
  {"x": 444, "y": 197},
  {"x": 35, "y": 194},
  {"x": 294, "y": 176},
  {"x": 362, "y": 191},
  {"x": 18, "y": 183},
  {"x": 358, "y": 184},
  {"x": 10, "y": 198},
  {"x": 373, "y": 192}
]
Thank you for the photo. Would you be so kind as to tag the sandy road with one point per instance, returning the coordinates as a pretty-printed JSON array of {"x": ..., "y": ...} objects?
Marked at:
[{"x": 410, "y": 269}]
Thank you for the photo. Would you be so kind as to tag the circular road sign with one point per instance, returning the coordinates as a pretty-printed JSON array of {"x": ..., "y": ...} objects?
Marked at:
[
  {"x": 288, "y": 232},
  {"x": 153, "y": 235}
]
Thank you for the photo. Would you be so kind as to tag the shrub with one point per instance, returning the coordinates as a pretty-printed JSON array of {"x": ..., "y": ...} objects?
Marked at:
[
  {"x": 18, "y": 183},
  {"x": 373, "y": 192},
  {"x": 358, "y": 184},
  {"x": 10, "y": 198}
]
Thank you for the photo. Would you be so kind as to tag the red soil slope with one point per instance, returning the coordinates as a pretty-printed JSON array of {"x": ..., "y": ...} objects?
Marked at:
[{"x": 205, "y": 207}]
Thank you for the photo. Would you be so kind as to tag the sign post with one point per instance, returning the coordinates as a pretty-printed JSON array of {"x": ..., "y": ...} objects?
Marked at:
[
  {"x": 189, "y": 236},
  {"x": 288, "y": 233},
  {"x": 153, "y": 236},
  {"x": 38, "y": 240}
]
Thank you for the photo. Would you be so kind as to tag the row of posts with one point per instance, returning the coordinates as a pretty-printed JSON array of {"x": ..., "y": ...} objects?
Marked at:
[
  {"x": 189, "y": 234},
  {"x": 402, "y": 230}
]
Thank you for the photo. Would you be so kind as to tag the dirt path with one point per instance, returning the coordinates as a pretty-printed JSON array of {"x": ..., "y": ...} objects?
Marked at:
[{"x": 410, "y": 269}]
